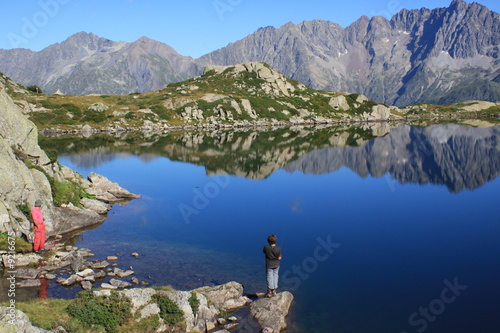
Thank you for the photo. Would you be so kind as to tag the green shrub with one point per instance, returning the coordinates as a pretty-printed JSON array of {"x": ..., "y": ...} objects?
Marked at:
[
  {"x": 130, "y": 115},
  {"x": 161, "y": 111},
  {"x": 169, "y": 311},
  {"x": 25, "y": 209},
  {"x": 67, "y": 192},
  {"x": 20, "y": 245},
  {"x": 194, "y": 302},
  {"x": 49, "y": 105},
  {"x": 35, "y": 89},
  {"x": 94, "y": 117},
  {"x": 105, "y": 311}
]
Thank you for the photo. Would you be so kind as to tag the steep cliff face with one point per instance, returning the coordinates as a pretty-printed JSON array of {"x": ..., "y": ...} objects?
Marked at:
[
  {"x": 24, "y": 175},
  {"x": 20, "y": 184}
]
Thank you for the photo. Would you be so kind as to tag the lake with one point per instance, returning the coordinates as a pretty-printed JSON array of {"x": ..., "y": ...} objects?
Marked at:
[{"x": 387, "y": 229}]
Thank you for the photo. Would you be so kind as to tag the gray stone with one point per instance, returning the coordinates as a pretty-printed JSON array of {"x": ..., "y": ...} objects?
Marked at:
[
  {"x": 139, "y": 297},
  {"x": 121, "y": 273},
  {"x": 209, "y": 326},
  {"x": 339, "y": 103},
  {"x": 100, "y": 264},
  {"x": 231, "y": 326},
  {"x": 98, "y": 107},
  {"x": 49, "y": 276},
  {"x": 72, "y": 280},
  {"x": 108, "y": 286},
  {"x": 27, "y": 273},
  {"x": 149, "y": 310},
  {"x": 271, "y": 312},
  {"x": 28, "y": 283},
  {"x": 77, "y": 263},
  {"x": 105, "y": 190},
  {"x": 86, "y": 285},
  {"x": 21, "y": 260},
  {"x": 85, "y": 273},
  {"x": 97, "y": 206},
  {"x": 227, "y": 296},
  {"x": 119, "y": 283}
]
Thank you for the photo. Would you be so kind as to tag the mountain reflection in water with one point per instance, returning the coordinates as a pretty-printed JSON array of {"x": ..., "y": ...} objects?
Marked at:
[{"x": 456, "y": 156}]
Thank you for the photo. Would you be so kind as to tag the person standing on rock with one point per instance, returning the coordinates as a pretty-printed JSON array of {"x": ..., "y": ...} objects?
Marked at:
[
  {"x": 39, "y": 227},
  {"x": 273, "y": 257}
]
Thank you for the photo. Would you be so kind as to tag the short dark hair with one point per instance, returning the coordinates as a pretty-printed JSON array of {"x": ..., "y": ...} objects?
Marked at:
[{"x": 271, "y": 239}]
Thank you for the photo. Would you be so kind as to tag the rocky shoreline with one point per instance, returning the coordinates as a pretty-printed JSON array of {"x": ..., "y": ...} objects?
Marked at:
[
  {"x": 222, "y": 308},
  {"x": 87, "y": 130}
]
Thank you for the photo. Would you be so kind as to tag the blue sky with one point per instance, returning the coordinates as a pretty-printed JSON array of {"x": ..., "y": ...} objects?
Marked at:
[{"x": 193, "y": 27}]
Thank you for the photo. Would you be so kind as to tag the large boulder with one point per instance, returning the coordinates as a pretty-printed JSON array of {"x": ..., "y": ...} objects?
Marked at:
[
  {"x": 339, "y": 103},
  {"x": 98, "y": 107},
  {"x": 270, "y": 313},
  {"x": 105, "y": 190},
  {"x": 227, "y": 296}
]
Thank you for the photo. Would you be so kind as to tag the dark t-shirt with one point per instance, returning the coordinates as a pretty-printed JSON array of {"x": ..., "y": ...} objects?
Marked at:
[{"x": 272, "y": 254}]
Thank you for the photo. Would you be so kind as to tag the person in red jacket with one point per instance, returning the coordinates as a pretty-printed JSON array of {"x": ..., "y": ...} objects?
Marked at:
[{"x": 39, "y": 227}]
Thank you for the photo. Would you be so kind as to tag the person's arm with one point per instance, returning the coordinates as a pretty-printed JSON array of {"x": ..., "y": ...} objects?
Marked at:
[{"x": 37, "y": 217}]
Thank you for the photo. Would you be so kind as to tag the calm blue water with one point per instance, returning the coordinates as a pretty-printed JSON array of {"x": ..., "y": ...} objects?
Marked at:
[{"x": 372, "y": 236}]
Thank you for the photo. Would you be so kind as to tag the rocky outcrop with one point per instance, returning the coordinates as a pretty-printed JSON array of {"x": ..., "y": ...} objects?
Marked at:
[
  {"x": 270, "y": 313},
  {"x": 98, "y": 107},
  {"x": 24, "y": 177},
  {"x": 213, "y": 304}
]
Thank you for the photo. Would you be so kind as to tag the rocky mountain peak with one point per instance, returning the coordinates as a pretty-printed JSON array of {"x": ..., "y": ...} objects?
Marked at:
[{"x": 442, "y": 56}]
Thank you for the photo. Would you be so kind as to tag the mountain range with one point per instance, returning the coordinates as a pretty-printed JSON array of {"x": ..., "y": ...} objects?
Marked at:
[{"x": 441, "y": 56}]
